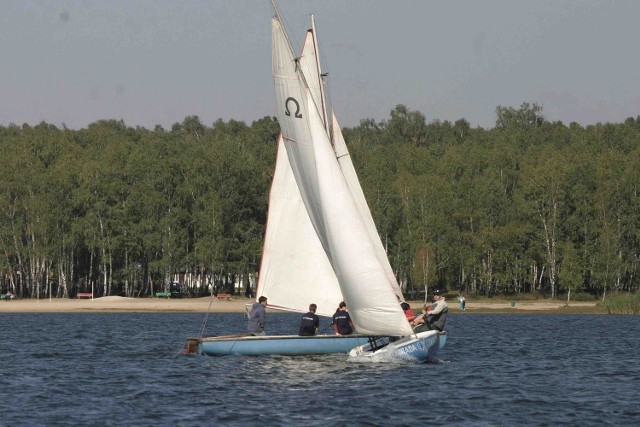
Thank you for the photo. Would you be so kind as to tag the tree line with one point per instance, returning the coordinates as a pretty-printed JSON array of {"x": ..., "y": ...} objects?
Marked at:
[{"x": 528, "y": 206}]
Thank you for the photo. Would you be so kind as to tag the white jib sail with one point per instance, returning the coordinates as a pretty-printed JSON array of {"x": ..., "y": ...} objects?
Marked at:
[
  {"x": 295, "y": 270},
  {"x": 370, "y": 297}
]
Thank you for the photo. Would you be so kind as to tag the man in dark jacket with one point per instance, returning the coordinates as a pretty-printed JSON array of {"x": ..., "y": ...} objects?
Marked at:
[
  {"x": 342, "y": 324},
  {"x": 310, "y": 322},
  {"x": 257, "y": 317}
]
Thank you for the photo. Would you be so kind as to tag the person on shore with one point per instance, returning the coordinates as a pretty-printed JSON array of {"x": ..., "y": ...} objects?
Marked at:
[
  {"x": 342, "y": 324},
  {"x": 434, "y": 318},
  {"x": 257, "y": 317},
  {"x": 462, "y": 300},
  {"x": 310, "y": 323},
  {"x": 408, "y": 311}
]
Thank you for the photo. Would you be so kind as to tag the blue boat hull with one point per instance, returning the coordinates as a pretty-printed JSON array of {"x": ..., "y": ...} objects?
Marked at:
[
  {"x": 421, "y": 347},
  {"x": 291, "y": 345}
]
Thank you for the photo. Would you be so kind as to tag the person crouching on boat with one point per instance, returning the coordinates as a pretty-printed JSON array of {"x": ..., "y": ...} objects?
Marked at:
[
  {"x": 408, "y": 311},
  {"x": 310, "y": 322},
  {"x": 435, "y": 318},
  {"x": 342, "y": 324},
  {"x": 257, "y": 317}
]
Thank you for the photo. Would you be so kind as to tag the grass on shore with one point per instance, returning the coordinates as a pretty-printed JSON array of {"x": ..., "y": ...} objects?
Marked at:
[{"x": 622, "y": 303}]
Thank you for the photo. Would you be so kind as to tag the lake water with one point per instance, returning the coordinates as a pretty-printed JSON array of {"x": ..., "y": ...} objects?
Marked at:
[{"x": 125, "y": 369}]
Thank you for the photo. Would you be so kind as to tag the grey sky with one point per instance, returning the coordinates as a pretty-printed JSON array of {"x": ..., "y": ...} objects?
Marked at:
[{"x": 155, "y": 62}]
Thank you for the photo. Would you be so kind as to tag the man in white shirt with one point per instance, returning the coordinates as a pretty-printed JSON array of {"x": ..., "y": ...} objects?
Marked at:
[{"x": 435, "y": 318}]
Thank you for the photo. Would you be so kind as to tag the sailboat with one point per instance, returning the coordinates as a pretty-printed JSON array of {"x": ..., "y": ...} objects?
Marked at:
[{"x": 321, "y": 244}]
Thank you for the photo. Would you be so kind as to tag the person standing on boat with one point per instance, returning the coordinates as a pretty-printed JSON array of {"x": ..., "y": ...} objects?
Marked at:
[
  {"x": 257, "y": 317},
  {"x": 435, "y": 318},
  {"x": 342, "y": 324},
  {"x": 310, "y": 322}
]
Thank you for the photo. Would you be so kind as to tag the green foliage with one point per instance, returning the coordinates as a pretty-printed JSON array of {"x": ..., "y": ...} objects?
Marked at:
[
  {"x": 526, "y": 209},
  {"x": 123, "y": 210},
  {"x": 582, "y": 296},
  {"x": 525, "y": 118},
  {"x": 570, "y": 271}
]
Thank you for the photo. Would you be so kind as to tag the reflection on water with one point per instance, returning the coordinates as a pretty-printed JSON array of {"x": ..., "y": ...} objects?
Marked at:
[{"x": 495, "y": 370}]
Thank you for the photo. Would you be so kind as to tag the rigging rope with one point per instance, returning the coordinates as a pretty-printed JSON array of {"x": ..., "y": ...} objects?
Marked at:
[{"x": 206, "y": 318}]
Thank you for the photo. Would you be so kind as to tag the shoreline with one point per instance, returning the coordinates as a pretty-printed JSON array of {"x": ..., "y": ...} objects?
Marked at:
[{"x": 116, "y": 304}]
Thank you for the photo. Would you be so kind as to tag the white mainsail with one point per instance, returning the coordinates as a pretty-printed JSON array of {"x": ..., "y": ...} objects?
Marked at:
[
  {"x": 332, "y": 211},
  {"x": 309, "y": 64},
  {"x": 295, "y": 270},
  {"x": 349, "y": 172}
]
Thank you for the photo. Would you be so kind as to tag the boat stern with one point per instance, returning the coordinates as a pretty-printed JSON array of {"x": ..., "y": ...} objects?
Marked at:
[
  {"x": 191, "y": 346},
  {"x": 420, "y": 347}
]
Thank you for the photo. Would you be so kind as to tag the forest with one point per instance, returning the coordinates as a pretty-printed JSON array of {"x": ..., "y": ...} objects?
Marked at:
[{"x": 528, "y": 207}]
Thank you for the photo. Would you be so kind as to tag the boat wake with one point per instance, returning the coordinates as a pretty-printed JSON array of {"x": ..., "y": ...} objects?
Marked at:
[{"x": 385, "y": 357}]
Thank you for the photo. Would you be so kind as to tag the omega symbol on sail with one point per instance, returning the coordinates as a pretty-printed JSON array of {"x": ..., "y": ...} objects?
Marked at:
[{"x": 297, "y": 114}]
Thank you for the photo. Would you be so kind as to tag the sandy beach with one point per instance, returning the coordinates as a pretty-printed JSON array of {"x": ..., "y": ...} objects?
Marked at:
[{"x": 115, "y": 304}]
